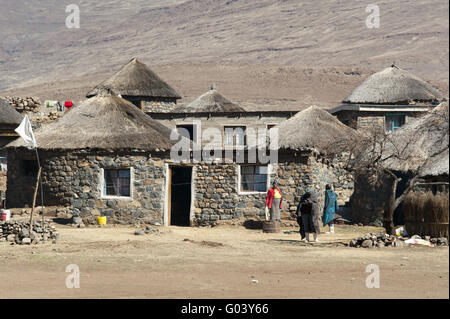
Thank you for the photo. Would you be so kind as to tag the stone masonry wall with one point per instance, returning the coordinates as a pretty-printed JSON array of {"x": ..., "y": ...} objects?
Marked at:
[
  {"x": 159, "y": 106},
  {"x": 217, "y": 195},
  {"x": 74, "y": 180}
]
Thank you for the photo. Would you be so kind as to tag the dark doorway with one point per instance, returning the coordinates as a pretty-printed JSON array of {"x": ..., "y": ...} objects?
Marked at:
[{"x": 180, "y": 196}]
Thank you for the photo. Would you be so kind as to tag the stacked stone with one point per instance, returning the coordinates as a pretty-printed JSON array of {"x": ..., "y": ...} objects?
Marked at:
[
  {"x": 50, "y": 117},
  {"x": 26, "y": 104},
  {"x": 159, "y": 106},
  {"x": 385, "y": 240},
  {"x": 18, "y": 232}
]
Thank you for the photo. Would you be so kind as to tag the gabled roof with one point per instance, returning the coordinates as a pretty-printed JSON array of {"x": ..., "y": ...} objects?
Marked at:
[
  {"x": 212, "y": 101},
  {"x": 313, "y": 128},
  {"x": 394, "y": 86},
  {"x": 136, "y": 79},
  {"x": 103, "y": 122},
  {"x": 8, "y": 115}
]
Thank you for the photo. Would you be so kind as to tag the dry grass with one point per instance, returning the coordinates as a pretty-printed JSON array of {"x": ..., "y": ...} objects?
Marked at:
[{"x": 427, "y": 214}]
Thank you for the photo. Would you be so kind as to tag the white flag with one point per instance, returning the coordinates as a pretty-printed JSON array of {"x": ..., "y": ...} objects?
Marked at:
[{"x": 26, "y": 132}]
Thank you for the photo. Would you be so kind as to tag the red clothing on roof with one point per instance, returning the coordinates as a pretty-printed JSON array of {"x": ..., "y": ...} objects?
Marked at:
[{"x": 68, "y": 104}]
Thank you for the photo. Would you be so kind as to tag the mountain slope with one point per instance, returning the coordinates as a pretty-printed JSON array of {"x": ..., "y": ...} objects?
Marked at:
[{"x": 37, "y": 47}]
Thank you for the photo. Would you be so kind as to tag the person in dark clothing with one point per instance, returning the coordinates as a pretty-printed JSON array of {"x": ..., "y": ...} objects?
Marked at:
[{"x": 308, "y": 216}]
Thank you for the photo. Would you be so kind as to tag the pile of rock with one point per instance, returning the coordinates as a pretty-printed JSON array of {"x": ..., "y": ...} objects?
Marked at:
[
  {"x": 18, "y": 232},
  {"x": 385, "y": 240},
  {"x": 50, "y": 117},
  {"x": 376, "y": 240},
  {"x": 24, "y": 104}
]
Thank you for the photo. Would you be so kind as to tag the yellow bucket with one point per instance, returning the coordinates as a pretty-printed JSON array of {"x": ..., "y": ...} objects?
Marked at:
[{"x": 101, "y": 220}]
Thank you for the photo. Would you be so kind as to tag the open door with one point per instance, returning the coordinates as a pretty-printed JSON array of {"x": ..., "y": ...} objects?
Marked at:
[{"x": 180, "y": 181}]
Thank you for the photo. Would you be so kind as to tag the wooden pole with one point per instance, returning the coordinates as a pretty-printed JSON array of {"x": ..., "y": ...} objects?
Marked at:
[{"x": 34, "y": 198}]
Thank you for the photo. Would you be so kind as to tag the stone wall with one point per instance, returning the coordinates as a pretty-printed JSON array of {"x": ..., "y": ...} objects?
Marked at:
[
  {"x": 24, "y": 104},
  {"x": 159, "y": 106},
  {"x": 74, "y": 180},
  {"x": 218, "y": 195}
]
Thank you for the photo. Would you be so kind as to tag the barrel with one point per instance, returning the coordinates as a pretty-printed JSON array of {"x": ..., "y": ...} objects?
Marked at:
[
  {"x": 101, "y": 220},
  {"x": 271, "y": 227},
  {"x": 6, "y": 214}
]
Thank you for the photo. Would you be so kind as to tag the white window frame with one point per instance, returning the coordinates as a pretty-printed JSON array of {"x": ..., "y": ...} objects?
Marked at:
[{"x": 102, "y": 185}]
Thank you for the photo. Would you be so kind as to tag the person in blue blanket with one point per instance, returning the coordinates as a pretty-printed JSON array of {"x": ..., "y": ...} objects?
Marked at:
[{"x": 330, "y": 208}]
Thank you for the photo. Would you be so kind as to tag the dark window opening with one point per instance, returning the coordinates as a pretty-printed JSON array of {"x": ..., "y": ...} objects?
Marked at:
[
  {"x": 254, "y": 178},
  {"x": 117, "y": 182},
  {"x": 186, "y": 131},
  {"x": 30, "y": 168}
]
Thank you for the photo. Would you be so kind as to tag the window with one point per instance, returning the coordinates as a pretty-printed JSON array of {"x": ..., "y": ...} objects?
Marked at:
[
  {"x": 117, "y": 182},
  {"x": 254, "y": 178},
  {"x": 394, "y": 122},
  {"x": 234, "y": 136},
  {"x": 187, "y": 131}
]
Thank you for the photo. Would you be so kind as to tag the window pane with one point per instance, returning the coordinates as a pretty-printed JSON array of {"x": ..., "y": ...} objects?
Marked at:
[
  {"x": 254, "y": 178},
  {"x": 117, "y": 182},
  {"x": 247, "y": 169}
]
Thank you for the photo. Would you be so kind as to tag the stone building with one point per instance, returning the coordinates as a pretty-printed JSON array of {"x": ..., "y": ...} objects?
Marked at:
[
  {"x": 9, "y": 121},
  {"x": 212, "y": 110},
  {"x": 387, "y": 99},
  {"x": 419, "y": 148},
  {"x": 105, "y": 157},
  {"x": 138, "y": 84}
]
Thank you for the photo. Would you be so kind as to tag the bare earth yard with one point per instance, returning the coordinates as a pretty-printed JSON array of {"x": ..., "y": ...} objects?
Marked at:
[{"x": 219, "y": 262}]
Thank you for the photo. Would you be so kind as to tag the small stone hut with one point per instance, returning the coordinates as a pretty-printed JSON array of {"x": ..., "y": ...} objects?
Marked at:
[
  {"x": 387, "y": 99},
  {"x": 105, "y": 157},
  {"x": 138, "y": 84},
  {"x": 418, "y": 148},
  {"x": 9, "y": 121}
]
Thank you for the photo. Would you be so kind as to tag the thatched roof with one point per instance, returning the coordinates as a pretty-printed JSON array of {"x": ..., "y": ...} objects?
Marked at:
[
  {"x": 136, "y": 79},
  {"x": 313, "y": 128},
  {"x": 436, "y": 165},
  {"x": 418, "y": 140},
  {"x": 8, "y": 115},
  {"x": 103, "y": 122},
  {"x": 393, "y": 86},
  {"x": 212, "y": 101}
]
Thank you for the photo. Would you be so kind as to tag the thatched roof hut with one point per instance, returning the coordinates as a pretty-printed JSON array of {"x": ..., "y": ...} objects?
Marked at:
[
  {"x": 210, "y": 102},
  {"x": 103, "y": 122},
  {"x": 418, "y": 140},
  {"x": 394, "y": 86},
  {"x": 313, "y": 128},
  {"x": 135, "y": 79},
  {"x": 8, "y": 115}
]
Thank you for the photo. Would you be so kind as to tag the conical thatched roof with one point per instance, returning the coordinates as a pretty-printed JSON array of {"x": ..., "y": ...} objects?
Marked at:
[
  {"x": 393, "y": 86},
  {"x": 136, "y": 79},
  {"x": 417, "y": 141},
  {"x": 313, "y": 128},
  {"x": 212, "y": 101},
  {"x": 8, "y": 115},
  {"x": 103, "y": 122}
]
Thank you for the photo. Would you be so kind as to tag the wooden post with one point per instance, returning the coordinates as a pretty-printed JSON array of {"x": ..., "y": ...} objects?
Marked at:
[{"x": 34, "y": 198}]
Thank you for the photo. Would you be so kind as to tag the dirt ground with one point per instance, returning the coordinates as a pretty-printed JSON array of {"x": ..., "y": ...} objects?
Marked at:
[{"x": 219, "y": 262}]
